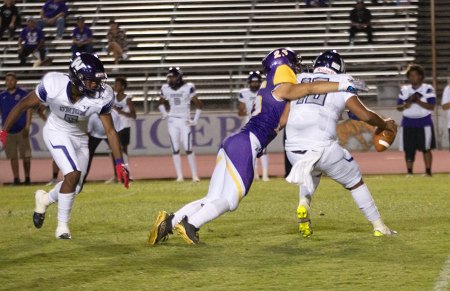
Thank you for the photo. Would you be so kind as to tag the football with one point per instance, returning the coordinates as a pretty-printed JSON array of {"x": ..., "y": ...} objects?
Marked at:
[{"x": 382, "y": 139}]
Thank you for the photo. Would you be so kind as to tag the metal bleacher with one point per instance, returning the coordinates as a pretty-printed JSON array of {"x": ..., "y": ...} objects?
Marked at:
[{"x": 216, "y": 42}]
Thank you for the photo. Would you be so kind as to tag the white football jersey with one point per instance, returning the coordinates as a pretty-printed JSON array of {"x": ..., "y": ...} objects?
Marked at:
[
  {"x": 416, "y": 111},
  {"x": 95, "y": 127},
  {"x": 122, "y": 120},
  {"x": 179, "y": 100},
  {"x": 248, "y": 97},
  {"x": 445, "y": 100},
  {"x": 65, "y": 116},
  {"x": 313, "y": 118}
]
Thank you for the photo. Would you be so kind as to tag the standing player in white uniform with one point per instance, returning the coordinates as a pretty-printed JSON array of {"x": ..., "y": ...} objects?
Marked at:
[
  {"x": 247, "y": 97},
  {"x": 446, "y": 106},
  {"x": 126, "y": 112},
  {"x": 313, "y": 149},
  {"x": 72, "y": 99},
  {"x": 416, "y": 101},
  {"x": 179, "y": 94}
]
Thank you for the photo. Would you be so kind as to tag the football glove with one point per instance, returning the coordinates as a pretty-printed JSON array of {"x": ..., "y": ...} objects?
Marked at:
[
  {"x": 352, "y": 85},
  {"x": 123, "y": 175},
  {"x": 191, "y": 122}
]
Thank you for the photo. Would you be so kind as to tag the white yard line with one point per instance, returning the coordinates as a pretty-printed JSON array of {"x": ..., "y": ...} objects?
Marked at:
[{"x": 444, "y": 277}]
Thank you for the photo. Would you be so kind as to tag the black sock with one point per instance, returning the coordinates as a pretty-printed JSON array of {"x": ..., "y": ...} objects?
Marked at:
[
  {"x": 410, "y": 171},
  {"x": 428, "y": 171}
]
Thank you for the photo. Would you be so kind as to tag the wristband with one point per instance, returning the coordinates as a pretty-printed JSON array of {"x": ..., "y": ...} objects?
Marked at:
[{"x": 119, "y": 161}]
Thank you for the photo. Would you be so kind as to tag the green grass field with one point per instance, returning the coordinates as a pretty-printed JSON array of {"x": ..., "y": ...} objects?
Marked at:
[{"x": 256, "y": 247}]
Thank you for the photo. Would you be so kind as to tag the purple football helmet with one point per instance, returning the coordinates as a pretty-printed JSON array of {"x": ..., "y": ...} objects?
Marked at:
[
  {"x": 87, "y": 67},
  {"x": 331, "y": 60},
  {"x": 178, "y": 74},
  {"x": 282, "y": 56}
]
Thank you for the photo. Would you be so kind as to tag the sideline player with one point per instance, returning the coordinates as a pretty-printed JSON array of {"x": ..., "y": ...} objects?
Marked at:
[
  {"x": 179, "y": 94},
  {"x": 247, "y": 97},
  {"x": 72, "y": 99},
  {"x": 312, "y": 146},
  {"x": 233, "y": 174}
]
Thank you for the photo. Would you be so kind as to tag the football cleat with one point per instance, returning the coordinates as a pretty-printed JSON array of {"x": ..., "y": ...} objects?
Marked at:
[
  {"x": 62, "y": 232},
  {"x": 187, "y": 231},
  {"x": 385, "y": 231},
  {"x": 179, "y": 179},
  {"x": 41, "y": 201},
  {"x": 304, "y": 223},
  {"x": 195, "y": 179},
  {"x": 161, "y": 228}
]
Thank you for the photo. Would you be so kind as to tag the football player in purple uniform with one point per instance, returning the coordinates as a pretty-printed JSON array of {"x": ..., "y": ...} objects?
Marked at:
[{"x": 233, "y": 174}]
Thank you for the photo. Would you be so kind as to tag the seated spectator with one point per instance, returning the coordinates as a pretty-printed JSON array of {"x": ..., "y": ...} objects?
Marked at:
[
  {"x": 31, "y": 41},
  {"x": 315, "y": 3},
  {"x": 82, "y": 38},
  {"x": 10, "y": 18},
  {"x": 117, "y": 42},
  {"x": 360, "y": 18},
  {"x": 53, "y": 13}
]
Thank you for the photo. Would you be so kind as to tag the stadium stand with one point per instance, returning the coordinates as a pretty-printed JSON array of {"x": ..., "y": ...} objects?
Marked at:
[{"x": 217, "y": 42}]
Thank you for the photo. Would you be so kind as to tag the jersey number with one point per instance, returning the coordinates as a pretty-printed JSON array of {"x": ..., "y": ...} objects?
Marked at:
[
  {"x": 318, "y": 99},
  {"x": 257, "y": 106}
]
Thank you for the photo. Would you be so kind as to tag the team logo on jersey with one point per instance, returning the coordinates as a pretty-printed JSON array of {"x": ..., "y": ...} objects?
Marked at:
[{"x": 70, "y": 118}]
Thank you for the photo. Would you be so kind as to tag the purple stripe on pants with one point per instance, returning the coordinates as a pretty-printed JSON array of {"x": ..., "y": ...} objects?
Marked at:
[{"x": 239, "y": 150}]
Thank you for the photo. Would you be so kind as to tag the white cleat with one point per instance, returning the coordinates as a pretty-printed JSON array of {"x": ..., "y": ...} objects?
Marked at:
[
  {"x": 384, "y": 231},
  {"x": 42, "y": 202},
  {"x": 195, "y": 179},
  {"x": 51, "y": 182},
  {"x": 63, "y": 232},
  {"x": 180, "y": 179},
  {"x": 265, "y": 178}
]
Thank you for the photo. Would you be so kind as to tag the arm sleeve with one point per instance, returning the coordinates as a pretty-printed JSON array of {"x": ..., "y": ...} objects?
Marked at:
[{"x": 192, "y": 91}]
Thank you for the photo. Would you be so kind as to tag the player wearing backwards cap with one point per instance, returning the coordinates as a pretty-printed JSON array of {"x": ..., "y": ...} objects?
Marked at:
[
  {"x": 179, "y": 94},
  {"x": 71, "y": 99},
  {"x": 233, "y": 174},
  {"x": 312, "y": 145}
]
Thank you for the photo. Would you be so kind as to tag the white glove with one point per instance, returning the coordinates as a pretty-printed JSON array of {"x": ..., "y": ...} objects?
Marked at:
[
  {"x": 191, "y": 122},
  {"x": 163, "y": 111},
  {"x": 352, "y": 85},
  {"x": 164, "y": 116}
]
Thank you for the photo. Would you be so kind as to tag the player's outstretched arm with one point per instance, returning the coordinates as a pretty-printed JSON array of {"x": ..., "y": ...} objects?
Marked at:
[
  {"x": 365, "y": 114},
  {"x": 113, "y": 139},
  {"x": 291, "y": 91}
]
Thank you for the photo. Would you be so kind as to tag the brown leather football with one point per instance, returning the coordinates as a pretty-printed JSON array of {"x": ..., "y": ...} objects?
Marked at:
[{"x": 382, "y": 139}]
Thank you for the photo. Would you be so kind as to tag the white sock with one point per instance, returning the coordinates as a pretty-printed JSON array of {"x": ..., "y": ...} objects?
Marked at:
[
  {"x": 365, "y": 202},
  {"x": 53, "y": 194},
  {"x": 264, "y": 161},
  {"x": 65, "y": 203},
  {"x": 177, "y": 163},
  {"x": 192, "y": 164},
  {"x": 209, "y": 211},
  {"x": 187, "y": 210}
]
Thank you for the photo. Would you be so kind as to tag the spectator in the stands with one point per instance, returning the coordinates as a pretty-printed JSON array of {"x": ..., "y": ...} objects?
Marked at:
[
  {"x": 315, "y": 3},
  {"x": 10, "y": 18},
  {"x": 117, "y": 42},
  {"x": 54, "y": 12},
  {"x": 361, "y": 19},
  {"x": 81, "y": 38},
  {"x": 31, "y": 41}
]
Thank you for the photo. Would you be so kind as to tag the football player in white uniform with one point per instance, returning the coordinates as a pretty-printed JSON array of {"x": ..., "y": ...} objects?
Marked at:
[
  {"x": 313, "y": 149},
  {"x": 126, "y": 112},
  {"x": 247, "y": 97},
  {"x": 72, "y": 99},
  {"x": 416, "y": 101},
  {"x": 179, "y": 94}
]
